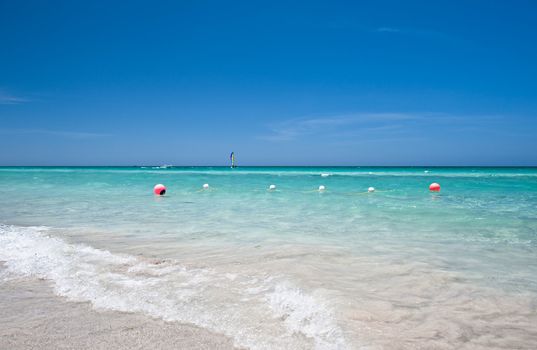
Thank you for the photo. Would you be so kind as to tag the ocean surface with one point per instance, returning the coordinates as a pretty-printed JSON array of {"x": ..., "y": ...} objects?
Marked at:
[{"x": 292, "y": 268}]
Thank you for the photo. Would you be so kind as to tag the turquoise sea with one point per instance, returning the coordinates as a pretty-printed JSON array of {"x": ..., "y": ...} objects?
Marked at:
[{"x": 291, "y": 268}]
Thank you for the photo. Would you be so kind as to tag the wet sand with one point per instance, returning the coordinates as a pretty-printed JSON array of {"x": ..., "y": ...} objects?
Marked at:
[{"x": 34, "y": 318}]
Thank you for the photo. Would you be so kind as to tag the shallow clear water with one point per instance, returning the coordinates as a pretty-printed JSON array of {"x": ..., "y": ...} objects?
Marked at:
[{"x": 290, "y": 268}]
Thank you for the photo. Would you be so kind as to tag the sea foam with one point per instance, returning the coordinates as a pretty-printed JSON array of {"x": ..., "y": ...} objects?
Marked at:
[{"x": 257, "y": 313}]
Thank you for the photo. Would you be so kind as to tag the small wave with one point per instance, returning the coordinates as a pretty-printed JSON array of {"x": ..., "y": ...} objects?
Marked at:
[
  {"x": 258, "y": 312},
  {"x": 304, "y": 314}
]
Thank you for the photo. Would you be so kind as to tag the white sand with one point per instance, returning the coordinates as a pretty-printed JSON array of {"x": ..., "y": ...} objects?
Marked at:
[{"x": 32, "y": 317}]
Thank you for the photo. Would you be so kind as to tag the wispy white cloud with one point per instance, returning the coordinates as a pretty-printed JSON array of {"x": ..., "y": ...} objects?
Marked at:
[
  {"x": 296, "y": 128},
  {"x": 9, "y": 99},
  {"x": 387, "y": 30},
  {"x": 377, "y": 125},
  {"x": 60, "y": 133},
  {"x": 424, "y": 33}
]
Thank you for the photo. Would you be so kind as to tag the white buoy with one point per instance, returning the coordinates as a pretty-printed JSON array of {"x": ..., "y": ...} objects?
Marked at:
[
  {"x": 272, "y": 187},
  {"x": 322, "y": 188},
  {"x": 325, "y": 175},
  {"x": 205, "y": 186},
  {"x": 371, "y": 189}
]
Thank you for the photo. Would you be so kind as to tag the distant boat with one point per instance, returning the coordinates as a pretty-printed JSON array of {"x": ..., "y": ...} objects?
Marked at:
[
  {"x": 165, "y": 166},
  {"x": 232, "y": 159}
]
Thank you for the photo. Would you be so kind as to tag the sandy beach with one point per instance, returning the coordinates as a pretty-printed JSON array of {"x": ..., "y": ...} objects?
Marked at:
[
  {"x": 34, "y": 318},
  {"x": 311, "y": 175}
]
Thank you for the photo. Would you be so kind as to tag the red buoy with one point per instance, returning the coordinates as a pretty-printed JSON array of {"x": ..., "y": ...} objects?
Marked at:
[
  {"x": 434, "y": 187},
  {"x": 159, "y": 190}
]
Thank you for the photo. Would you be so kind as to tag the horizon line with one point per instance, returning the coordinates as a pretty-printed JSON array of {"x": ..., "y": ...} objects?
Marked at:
[{"x": 268, "y": 166}]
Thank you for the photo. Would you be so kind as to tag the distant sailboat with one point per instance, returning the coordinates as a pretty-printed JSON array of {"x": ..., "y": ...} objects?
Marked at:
[{"x": 232, "y": 159}]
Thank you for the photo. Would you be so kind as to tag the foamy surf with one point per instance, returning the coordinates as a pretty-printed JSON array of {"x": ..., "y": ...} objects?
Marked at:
[{"x": 257, "y": 312}]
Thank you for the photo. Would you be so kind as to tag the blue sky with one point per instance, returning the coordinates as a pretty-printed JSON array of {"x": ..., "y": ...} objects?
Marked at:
[{"x": 279, "y": 83}]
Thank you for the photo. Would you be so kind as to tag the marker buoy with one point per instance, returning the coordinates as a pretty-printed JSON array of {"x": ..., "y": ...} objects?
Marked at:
[
  {"x": 371, "y": 189},
  {"x": 272, "y": 187},
  {"x": 434, "y": 187},
  {"x": 205, "y": 186},
  {"x": 159, "y": 190},
  {"x": 322, "y": 188}
]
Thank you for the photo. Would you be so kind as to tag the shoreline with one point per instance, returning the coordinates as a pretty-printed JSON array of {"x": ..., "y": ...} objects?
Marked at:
[{"x": 34, "y": 317}]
